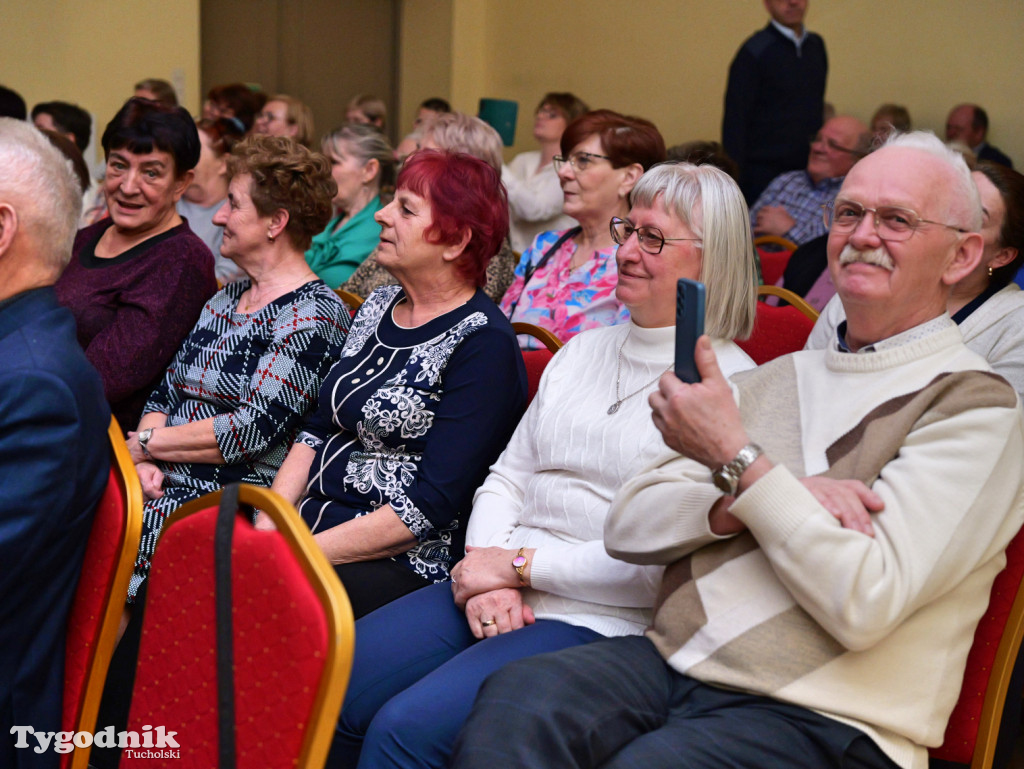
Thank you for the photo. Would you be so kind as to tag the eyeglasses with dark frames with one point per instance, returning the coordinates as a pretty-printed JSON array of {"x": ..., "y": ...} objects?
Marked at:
[
  {"x": 580, "y": 161},
  {"x": 891, "y": 222},
  {"x": 650, "y": 238}
]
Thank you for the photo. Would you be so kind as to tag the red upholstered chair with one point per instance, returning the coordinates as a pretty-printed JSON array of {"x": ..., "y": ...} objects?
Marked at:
[
  {"x": 774, "y": 253},
  {"x": 99, "y": 597},
  {"x": 536, "y": 360},
  {"x": 779, "y": 330},
  {"x": 291, "y": 640},
  {"x": 973, "y": 728}
]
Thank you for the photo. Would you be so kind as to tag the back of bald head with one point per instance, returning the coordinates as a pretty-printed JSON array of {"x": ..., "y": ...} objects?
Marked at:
[{"x": 38, "y": 182}]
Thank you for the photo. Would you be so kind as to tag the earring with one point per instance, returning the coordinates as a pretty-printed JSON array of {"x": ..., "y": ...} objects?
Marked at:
[
  {"x": 270, "y": 237},
  {"x": 990, "y": 270}
]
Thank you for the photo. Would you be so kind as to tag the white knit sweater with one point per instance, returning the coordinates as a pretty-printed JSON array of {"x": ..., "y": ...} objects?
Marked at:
[{"x": 552, "y": 486}]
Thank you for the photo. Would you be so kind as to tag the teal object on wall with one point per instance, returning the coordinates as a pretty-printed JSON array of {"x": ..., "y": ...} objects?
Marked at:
[{"x": 501, "y": 115}]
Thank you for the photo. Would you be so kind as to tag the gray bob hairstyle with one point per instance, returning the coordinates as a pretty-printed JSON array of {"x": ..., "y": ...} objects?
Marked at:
[{"x": 710, "y": 203}]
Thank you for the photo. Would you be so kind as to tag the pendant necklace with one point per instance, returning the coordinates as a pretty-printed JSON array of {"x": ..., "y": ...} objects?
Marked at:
[{"x": 618, "y": 375}]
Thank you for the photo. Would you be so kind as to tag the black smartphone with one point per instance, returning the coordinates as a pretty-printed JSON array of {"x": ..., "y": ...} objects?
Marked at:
[{"x": 689, "y": 327}]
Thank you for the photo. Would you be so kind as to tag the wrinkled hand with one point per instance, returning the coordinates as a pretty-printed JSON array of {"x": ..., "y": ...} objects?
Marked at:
[
  {"x": 773, "y": 220},
  {"x": 482, "y": 570},
  {"x": 134, "y": 448},
  {"x": 700, "y": 421},
  {"x": 505, "y": 606},
  {"x": 152, "y": 479},
  {"x": 851, "y": 502}
]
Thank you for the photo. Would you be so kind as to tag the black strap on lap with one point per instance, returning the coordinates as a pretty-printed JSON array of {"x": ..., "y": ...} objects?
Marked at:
[
  {"x": 532, "y": 268},
  {"x": 225, "y": 650}
]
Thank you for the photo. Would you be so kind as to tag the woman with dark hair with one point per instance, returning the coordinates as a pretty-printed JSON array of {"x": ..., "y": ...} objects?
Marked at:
[
  {"x": 565, "y": 281},
  {"x": 987, "y": 305},
  {"x": 234, "y": 101},
  {"x": 361, "y": 161},
  {"x": 231, "y": 402},
  {"x": 138, "y": 280},
  {"x": 534, "y": 193},
  {"x": 204, "y": 197},
  {"x": 427, "y": 392}
]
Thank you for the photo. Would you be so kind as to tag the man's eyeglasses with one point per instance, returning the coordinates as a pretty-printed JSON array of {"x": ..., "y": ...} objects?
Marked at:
[
  {"x": 650, "y": 238},
  {"x": 580, "y": 161},
  {"x": 891, "y": 222},
  {"x": 835, "y": 147}
]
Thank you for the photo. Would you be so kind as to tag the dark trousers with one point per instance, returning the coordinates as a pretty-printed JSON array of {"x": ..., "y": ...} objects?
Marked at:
[
  {"x": 616, "y": 703},
  {"x": 416, "y": 671}
]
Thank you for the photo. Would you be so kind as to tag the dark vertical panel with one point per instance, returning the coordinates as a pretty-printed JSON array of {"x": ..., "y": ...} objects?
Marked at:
[{"x": 321, "y": 51}]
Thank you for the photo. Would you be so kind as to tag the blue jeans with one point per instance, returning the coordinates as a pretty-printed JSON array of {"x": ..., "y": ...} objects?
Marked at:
[
  {"x": 416, "y": 671},
  {"x": 616, "y": 704}
]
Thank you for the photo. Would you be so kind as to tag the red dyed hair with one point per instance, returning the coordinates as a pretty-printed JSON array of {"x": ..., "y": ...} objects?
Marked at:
[
  {"x": 624, "y": 139},
  {"x": 465, "y": 193}
]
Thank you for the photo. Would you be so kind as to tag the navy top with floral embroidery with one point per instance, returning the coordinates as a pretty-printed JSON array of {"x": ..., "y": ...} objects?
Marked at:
[{"x": 414, "y": 417}]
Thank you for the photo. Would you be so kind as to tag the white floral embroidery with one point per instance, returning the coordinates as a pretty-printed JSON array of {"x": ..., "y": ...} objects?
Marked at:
[
  {"x": 433, "y": 356},
  {"x": 367, "y": 319}
]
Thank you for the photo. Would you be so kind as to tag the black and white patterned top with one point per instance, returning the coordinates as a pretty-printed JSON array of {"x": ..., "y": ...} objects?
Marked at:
[
  {"x": 413, "y": 417},
  {"x": 256, "y": 375}
]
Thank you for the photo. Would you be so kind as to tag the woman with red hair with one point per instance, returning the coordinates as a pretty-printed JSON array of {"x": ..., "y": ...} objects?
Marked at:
[{"x": 428, "y": 390}]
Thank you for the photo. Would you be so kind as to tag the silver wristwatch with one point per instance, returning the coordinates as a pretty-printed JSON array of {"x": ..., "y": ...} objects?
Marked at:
[
  {"x": 727, "y": 477},
  {"x": 144, "y": 437}
]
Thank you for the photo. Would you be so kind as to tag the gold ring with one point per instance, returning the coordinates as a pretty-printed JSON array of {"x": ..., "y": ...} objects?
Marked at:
[{"x": 488, "y": 622}]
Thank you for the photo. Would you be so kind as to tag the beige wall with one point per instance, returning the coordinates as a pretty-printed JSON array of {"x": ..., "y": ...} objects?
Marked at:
[
  {"x": 667, "y": 60},
  {"x": 92, "y": 52}
]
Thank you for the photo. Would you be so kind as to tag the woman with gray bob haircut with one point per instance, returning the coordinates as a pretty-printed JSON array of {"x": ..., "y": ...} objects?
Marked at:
[{"x": 707, "y": 201}]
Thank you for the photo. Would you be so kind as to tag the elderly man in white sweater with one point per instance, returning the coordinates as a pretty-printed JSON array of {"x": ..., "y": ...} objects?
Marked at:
[{"x": 790, "y": 640}]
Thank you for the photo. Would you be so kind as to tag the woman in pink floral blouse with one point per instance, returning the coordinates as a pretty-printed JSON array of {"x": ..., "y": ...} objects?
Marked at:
[{"x": 565, "y": 281}]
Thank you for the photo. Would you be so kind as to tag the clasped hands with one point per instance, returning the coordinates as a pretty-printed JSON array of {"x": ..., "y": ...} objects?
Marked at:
[
  {"x": 486, "y": 586},
  {"x": 701, "y": 421},
  {"x": 150, "y": 476},
  {"x": 773, "y": 220}
]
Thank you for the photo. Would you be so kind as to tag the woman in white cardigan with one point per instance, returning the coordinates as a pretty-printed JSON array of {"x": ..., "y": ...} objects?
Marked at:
[{"x": 536, "y": 576}]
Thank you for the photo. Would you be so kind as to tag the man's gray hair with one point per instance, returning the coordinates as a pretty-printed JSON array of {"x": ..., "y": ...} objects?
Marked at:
[
  {"x": 964, "y": 202},
  {"x": 40, "y": 183},
  {"x": 710, "y": 203}
]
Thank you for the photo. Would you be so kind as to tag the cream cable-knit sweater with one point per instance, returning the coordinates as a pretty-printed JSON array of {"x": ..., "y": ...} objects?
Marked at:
[
  {"x": 870, "y": 631},
  {"x": 552, "y": 486}
]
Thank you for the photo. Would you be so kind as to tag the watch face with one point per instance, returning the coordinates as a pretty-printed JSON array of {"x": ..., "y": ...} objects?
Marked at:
[
  {"x": 723, "y": 482},
  {"x": 519, "y": 561}
]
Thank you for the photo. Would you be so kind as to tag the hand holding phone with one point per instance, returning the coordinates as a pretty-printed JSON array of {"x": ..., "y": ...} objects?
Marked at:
[{"x": 689, "y": 327}]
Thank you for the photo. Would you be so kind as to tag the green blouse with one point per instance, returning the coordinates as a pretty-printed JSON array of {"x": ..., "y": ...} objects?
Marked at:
[{"x": 334, "y": 256}]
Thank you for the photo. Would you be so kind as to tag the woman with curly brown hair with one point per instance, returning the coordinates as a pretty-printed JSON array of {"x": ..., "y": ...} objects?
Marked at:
[{"x": 234, "y": 396}]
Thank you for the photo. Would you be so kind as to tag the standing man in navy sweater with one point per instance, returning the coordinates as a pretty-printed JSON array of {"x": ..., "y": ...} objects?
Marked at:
[{"x": 775, "y": 98}]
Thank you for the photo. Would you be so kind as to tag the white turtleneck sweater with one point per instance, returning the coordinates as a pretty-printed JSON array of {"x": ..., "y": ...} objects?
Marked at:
[{"x": 552, "y": 487}]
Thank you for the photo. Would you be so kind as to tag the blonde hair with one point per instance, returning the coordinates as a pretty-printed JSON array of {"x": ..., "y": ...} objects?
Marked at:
[
  {"x": 458, "y": 132},
  {"x": 710, "y": 203},
  {"x": 299, "y": 115}
]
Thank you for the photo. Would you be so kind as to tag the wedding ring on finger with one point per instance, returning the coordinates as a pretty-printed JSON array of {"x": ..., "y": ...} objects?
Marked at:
[{"x": 488, "y": 622}]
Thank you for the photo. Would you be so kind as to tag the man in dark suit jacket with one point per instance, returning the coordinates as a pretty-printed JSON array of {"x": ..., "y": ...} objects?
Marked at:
[
  {"x": 968, "y": 123},
  {"x": 775, "y": 98},
  {"x": 54, "y": 458}
]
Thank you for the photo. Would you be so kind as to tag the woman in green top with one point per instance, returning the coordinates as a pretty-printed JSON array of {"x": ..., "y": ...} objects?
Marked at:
[{"x": 361, "y": 161}]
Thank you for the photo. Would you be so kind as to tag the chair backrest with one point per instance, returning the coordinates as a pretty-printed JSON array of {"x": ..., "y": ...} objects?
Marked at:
[
  {"x": 99, "y": 598},
  {"x": 292, "y": 639},
  {"x": 354, "y": 301},
  {"x": 779, "y": 330},
  {"x": 774, "y": 253},
  {"x": 973, "y": 728},
  {"x": 536, "y": 360}
]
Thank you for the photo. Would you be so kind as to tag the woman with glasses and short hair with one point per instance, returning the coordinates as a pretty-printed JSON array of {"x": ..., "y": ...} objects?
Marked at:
[
  {"x": 534, "y": 192},
  {"x": 565, "y": 281},
  {"x": 536, "y": 577}
]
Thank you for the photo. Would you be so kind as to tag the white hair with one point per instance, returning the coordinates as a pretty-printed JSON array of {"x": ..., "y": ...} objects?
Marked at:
[
  {"x": 709, "y": 202},
  {"x": 41, "y": 184},
  {"x": 964, "y": 201}
]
